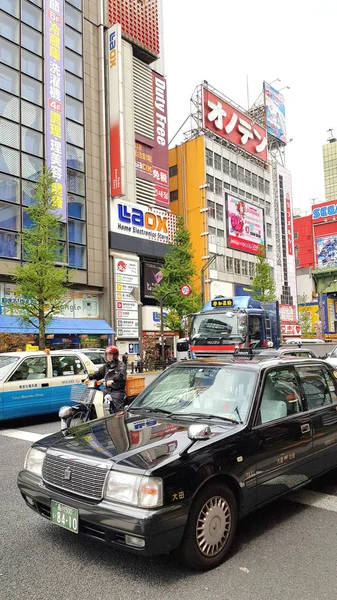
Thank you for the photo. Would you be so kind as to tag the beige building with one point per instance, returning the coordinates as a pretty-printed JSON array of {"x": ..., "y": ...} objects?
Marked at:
[{"x": 330, "y": 169}]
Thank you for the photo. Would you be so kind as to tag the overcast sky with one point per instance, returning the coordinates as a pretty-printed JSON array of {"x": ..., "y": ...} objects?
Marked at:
[{"x": 223, "y": 41}]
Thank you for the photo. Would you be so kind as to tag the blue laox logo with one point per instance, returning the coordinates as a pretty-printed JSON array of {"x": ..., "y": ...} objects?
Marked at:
[
  {"x": 156, "y": 316},
  {"x": 135, "y": 216},
  {"x": 325, "y": 211}
]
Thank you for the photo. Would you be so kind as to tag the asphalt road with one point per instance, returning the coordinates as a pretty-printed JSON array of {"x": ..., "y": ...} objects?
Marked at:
[{"x": 284, "y": 552}]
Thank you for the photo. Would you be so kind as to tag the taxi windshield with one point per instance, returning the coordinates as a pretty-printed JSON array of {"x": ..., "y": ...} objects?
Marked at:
[
  {"x": 221, "y": 391},
  {"x": 6, "y": 364}
]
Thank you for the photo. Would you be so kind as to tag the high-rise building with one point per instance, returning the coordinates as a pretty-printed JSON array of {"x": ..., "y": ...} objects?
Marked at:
[
  {"x": 330, "y": 168},
  {"x": 236, "y": 198},
  {"x": 82, "y": 89}
]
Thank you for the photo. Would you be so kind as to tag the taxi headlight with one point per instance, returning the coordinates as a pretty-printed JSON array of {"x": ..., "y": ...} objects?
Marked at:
[
  {"x": 137, "y": 490},
  {"x": 34, "y": 461}
]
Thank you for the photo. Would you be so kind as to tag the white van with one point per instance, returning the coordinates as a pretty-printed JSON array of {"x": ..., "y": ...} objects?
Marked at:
[{"x": 183, "y": 349}]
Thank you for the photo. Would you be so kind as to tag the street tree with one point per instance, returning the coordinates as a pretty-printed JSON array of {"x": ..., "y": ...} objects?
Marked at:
[
  {"x": 41, "y": 285},
  {"x": 178, "y": 269},
  {"x": 305, "y": 317},
  {"x": 263, "y": 283}
]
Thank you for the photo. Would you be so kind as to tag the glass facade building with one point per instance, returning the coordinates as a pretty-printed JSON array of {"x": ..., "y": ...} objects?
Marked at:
[{"x": 330, "y": 169}]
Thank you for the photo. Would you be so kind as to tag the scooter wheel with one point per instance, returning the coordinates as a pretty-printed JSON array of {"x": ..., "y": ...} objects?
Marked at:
[{"x": 76, "y": 419}]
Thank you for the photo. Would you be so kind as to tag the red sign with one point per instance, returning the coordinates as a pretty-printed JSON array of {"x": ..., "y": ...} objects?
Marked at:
[
  {"x": 144, "y": 167},
  {"x": 185, "y": 290},
  {"x": 139, "y": 20},
  {"x": 114, "y": 53},
  {"x": 291, "y": 329},
  {"x": 160, "y": 149},
  {"x": 226, "y": 121},
  {"x": 289, "y": 226}
]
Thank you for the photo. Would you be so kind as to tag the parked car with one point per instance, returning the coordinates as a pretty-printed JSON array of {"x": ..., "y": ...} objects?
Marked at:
[
  {"x": 204, "y": 445},
  {"x": 299, "y": 341},
  {"x": 299, "y": 352},
  {"x": 34, "y": 383}
]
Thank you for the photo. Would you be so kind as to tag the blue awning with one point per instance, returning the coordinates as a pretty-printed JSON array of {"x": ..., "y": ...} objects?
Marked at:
[{"x": 59, "y": 326}]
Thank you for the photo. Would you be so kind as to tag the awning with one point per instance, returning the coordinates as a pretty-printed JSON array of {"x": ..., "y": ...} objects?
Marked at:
[{"x": 59, "y": 326}]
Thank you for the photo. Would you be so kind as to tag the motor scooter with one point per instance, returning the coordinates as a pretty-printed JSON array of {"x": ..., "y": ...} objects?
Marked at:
[{"x": 90, "y": 404}]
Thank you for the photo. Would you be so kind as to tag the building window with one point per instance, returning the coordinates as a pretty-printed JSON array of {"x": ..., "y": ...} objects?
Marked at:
[
  {"x": 211, "y": 209},
  {"x": 254, "y": 181},
  {"x": 75, "y": 182},
  {"x": 266, "y": 187},
  {"x": 234, "y": 170},
  {"x": 9, "y": 188},
  {"x": 255, "y": 199},
  {"x": 31, "y": 167},
  {"x": 217, "y": 161},
  {"x": 248, "y": 177},
  {"x": 225, "y": 166},
  {"x": 77, "y": 257},
  {"x": 75, "y": 134},
  {"x": 31, "y": 90},
  {"x": 73, "y": 17},
  {"x": 295, "y": 235},
  {"x": 76, "y": 3},
  {"x": 261, "y": 184},
  {"x": 9, "y": 54},
  {"x": 9, "y": 161},
  {"x": 229, "y": 264},
  {"x": 218, "y": 187},
  {"x": 244, "y": 265},
  {"x": 237, "y": 266},
  {"x": 9, "y": 134},
  {"x": 210, "y": 182},
  {"x": 76, "y": 206},
  {"x": 75, "y": 158},
  {"x": 31, "y": 15},
  {"x": 72, "y": 40},
  {"x": 270, "y": 249},
  {"x": 31, "y": 65},
  {"x": 269, "y": 230},
  {"x": 234, "y": 189},
  {"x": 31, "y": 40},
  {"x": 251, "y": 269},
  {"x": 241, "y": 192},
  {"x": 74, "y": 86},
  {"x": 11, "y": 7},
  {"x": 220, "y": 237},
  {"x": 9, "y": 28},
  {"x": 73, "y": 63},
  {"x": 226, "y": 185},
  {"x": 74, "y": 110},
  {"x": 9, "y": 245},
  {"x": 248, "y": 195},
  {"x": 209, "y": 158},
  {"x": 241, "y": 174},
  {"x": 9, "y": 216},
  {"x": 212, "y": 235},
  {"x": 268, "y": 208},
  {"x": 173, "y": 170},
  {"x": 174, "y": 195},
  {"x": 76, "y": 232},
  {"x": 9, "y": 80},
  {"x": 28, "y": 193},
  {"x": 32, "y": 141},
  {"x": 219, "y": 212},
  {"x": 220, "y": 263}
]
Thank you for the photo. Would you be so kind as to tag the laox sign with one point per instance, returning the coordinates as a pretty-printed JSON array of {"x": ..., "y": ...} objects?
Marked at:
[{"x": 137, "y": 217}]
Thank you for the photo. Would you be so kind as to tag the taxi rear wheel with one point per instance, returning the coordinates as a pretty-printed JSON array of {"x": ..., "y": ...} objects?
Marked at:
[{"x": 210, "y": 528}]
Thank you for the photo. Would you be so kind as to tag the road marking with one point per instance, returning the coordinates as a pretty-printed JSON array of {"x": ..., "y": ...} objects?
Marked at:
[
  {"x": 22, "y": 435},
  {"x": 314, "y": 499}
]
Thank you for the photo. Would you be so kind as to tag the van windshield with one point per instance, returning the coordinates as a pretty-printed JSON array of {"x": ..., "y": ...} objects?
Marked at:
[{"x": 6, "y": 364}]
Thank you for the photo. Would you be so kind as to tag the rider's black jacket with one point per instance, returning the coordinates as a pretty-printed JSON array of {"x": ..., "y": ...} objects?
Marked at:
[{"x": 112, "y": 371}]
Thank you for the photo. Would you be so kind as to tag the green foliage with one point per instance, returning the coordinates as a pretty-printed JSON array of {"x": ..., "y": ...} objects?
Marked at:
[
  {"x": 178, "y": 269},
  {"x": 40, "y": 285},
  {"x": 305, "y": 318},
  {"x": 263, "y": 283}
]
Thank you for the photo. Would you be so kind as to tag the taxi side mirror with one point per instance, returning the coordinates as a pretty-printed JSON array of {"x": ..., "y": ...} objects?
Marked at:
[{"x": 199, "y": 432}]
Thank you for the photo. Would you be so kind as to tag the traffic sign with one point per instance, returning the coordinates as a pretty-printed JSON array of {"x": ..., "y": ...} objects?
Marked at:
[{"x": 185, "y": 290}]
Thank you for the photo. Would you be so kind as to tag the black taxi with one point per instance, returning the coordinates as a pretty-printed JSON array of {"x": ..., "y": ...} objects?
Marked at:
[{"x": 205, "y": 444}]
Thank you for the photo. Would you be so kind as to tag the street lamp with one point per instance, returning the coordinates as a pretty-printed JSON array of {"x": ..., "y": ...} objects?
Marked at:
[{"x": 321, "y": 312}]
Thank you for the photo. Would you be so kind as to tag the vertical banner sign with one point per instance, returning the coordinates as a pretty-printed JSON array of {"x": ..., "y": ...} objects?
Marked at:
[
  {"x": 115, "y": 110},
  {"x": 55, "y": 101},
  {"x": 160, "y": 149},
  {"x": 289, "y": 225}
]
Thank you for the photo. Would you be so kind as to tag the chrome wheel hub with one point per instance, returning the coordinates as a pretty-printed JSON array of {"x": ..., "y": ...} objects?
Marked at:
[{"x": 213, "y": 526}]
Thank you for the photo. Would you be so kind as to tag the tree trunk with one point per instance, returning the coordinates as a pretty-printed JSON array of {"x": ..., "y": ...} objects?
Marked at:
[{"x": 42, "y": 330}]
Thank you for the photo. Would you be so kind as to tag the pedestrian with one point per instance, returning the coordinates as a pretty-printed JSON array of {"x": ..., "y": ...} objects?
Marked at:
[
  {"x": 138, "y": 362},
  {"x": 114, "y": 374},
  {"x": 125, "y": 358}
]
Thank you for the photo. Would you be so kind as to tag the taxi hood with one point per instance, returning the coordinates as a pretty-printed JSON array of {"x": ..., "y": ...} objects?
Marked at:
[{"x": 132, "y": 440}]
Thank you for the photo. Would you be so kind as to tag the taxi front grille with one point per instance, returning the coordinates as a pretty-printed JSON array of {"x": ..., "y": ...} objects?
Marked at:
[{"x": 76, "y": 477}]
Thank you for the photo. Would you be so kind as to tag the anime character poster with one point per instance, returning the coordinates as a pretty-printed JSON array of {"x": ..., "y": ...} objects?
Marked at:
[{"x": 245, "y": 226}]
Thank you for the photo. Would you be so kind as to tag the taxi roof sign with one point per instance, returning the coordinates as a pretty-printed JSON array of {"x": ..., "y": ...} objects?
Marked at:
[{"x": 222, "y": 302}]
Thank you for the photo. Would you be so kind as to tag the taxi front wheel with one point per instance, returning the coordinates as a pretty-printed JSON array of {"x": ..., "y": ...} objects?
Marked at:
[{"x": 210, "y": 528}]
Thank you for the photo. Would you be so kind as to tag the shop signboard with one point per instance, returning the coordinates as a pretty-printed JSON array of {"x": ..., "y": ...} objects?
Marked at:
[
  {"x": 116, "y": 125},
  {"x": 126, "y": 280},
  {"x": 55, "y": 137},
  {"x": 160, "y": 148},
  {"x": 144, "y": 161},
  {"x": 275, "y": 113},
  {"x": 152, "y": 276},
  {"x": 245, "y": 225},
  {"x": 149, "y": 223},
  {"x": 326, "y": 251}
]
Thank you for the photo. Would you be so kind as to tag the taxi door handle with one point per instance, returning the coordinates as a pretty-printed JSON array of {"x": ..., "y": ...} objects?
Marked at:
[
  {"x": 305, "y": 428},
  {"x": 44, "y": 384}
]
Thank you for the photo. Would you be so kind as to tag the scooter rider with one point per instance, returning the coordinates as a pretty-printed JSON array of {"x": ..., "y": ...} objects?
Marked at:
[{"x": 114, "y": 373}]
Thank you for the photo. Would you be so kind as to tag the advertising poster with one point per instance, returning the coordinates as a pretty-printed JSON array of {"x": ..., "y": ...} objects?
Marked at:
[
  {"x": 160, "y": 148},
  {"x": 275, "y": 113},
  {"x": 326, "y": 251},
  {"x": 245, "y": 226},
  {"x": 144, "y": 161},
  {"x": 224, "y": 120},
  {"x": 55, "y": 102},
  {"x": 152, "y": 275},
  {"x": 126, "y": 279},
  {"x": 115, "y": 109}
]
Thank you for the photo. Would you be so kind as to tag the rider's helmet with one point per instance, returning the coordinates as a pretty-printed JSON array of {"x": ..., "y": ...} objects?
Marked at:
[{"x": 112, "y": 350}]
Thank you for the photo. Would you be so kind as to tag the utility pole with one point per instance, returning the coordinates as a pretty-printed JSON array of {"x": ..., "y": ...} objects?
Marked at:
[{"x": 203, "y": 271}]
